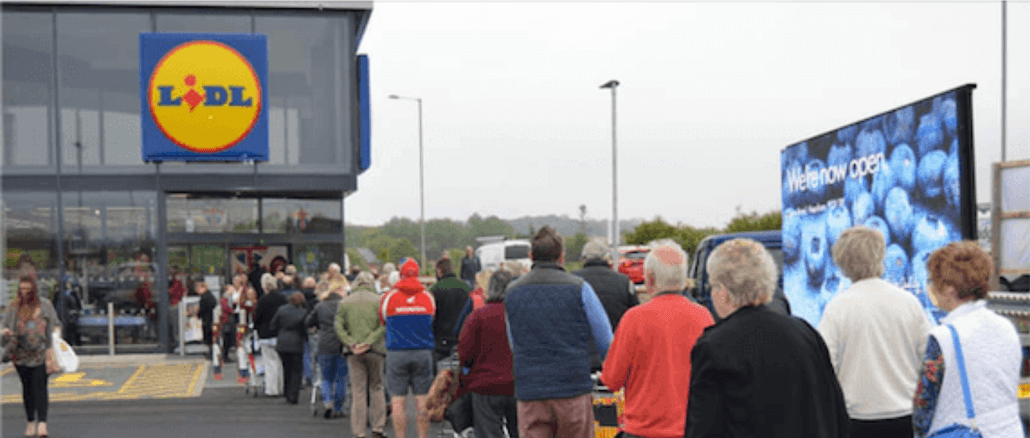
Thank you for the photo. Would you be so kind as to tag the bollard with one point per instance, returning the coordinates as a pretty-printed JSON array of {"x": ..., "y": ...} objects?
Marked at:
[
  {"x": 182, "y": 327},
  {"x": 110, "y": 328}
]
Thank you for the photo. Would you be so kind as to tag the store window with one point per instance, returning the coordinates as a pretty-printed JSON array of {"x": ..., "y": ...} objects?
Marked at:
[
  {"x": 98, "y": 56},
  {"x": 211, "y": 215},
  {"x": 28, "y": 77},
  {"x": 30, "y": 227},
  {"x": 314, "y": 260},
  {"x": 310, "y": 77},
  {"x": 302, "y": 216}
]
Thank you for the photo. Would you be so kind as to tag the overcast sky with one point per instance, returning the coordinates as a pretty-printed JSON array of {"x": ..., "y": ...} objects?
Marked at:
[{"x": 515, "y": 123}]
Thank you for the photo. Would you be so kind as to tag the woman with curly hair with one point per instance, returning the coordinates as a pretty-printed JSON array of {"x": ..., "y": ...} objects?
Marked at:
[{"x": 988, "y": 345}]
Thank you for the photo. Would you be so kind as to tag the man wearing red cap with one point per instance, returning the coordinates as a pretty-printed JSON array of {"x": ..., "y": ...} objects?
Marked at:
[{"x": 407, "y": 311}]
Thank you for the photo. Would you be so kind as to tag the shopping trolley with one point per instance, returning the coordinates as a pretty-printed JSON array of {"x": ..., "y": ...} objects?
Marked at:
[{"x": 608, "y": 409}]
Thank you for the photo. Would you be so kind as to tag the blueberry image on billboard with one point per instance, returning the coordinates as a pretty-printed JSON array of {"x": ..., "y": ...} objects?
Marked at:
[
  {"x": 847, "y": 134},
  {"x": 795, "y": 157},
  {"x": 929, "y": 136},
  {"x": 918, "y": 273},
  {"x": 898, "y": 213},
  {"x": 837, "y": 220},
  {"x": 833, "y": 283},
  {"x": 839, "y": 157},
  {"x": 870, "y": 143},
  {"x": 952, "y": 183},
  {"x": 931, "y": 174},
  {"x": 930, "y": 233},
  {"x": 863, "y": 208},
  {"x": 883, "y": 181},
  {"x": 903, "y": 165},
  {"x": 789, "y": 196},
  {"x": 855, "y": 187},
  {"x": 896, "y": 264},
  {"x": 900, "y": 125},
  {"x": 792, "y": 239},
  {"x": 947, "y": 112},
  {"x": 872, "y": 124},
  {"x": 877, "y": 223},
  {"x": 818, "y": 192},
  {"x": 814, "y": 248}
]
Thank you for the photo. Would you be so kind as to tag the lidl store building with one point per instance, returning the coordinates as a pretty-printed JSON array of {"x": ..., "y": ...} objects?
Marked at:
[{"x": 82, "y": 203}]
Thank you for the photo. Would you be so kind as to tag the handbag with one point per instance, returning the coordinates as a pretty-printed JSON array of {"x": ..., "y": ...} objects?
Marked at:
[
  {"x": 958, "y": 430},
  {"x": 442, "y": 392},
  {"x": 52, "y": 367}
]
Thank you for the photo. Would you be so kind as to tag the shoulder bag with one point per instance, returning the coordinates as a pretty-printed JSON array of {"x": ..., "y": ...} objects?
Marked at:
[{"x": 958, "y": 430}]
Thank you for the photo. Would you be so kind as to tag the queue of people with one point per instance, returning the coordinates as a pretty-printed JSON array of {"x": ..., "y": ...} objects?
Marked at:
[{"x": 874, "y": 367}]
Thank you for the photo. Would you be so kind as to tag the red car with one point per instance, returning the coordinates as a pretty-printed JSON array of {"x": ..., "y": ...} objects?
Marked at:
[{"x": 631, "y": 262}]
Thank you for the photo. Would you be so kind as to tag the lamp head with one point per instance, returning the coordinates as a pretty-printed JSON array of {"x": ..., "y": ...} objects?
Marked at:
[
  {"x": 611, "y": 84},
  {"x": 394, "y": 96}
]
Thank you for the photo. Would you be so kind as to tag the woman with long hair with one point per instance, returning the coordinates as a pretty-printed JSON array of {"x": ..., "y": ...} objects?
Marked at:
[{"x": 27, "y": 327}]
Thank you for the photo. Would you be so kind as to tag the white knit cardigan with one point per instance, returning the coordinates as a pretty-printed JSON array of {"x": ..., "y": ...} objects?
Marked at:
[{"x": 992, "y": 352}]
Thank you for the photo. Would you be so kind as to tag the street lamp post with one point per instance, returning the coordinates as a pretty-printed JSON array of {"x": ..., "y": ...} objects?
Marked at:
[
  {"x": 421, "y": 180},
  {"x": 612, "y": 85}
]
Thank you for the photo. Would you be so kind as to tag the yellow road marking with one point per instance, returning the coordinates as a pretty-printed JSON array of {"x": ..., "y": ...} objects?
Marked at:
[
  {"x": 196, "y": 379},
  {"x": 132, "y": 379},
  {"x": 75, "y": 380}
]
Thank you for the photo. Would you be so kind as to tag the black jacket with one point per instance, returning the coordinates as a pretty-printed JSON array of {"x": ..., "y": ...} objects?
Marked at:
[
  {"x": 266, "y": 308},
  {"x": 761, "y": 373},
  {"x": 469, "y": 267},
  {"x": 613, "y": 288},
  {"x": 450, "y": 295},
  {"x": 323, "y": 316},
  {"x": 288, "y": 325}
]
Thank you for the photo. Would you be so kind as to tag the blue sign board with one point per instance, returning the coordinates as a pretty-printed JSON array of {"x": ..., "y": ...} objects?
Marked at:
[{"x": 204, "y": 96}]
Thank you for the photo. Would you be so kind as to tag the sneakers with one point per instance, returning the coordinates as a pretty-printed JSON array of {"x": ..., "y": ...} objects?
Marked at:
[
  {"x": 378, "y": 435},
  {"x": 328, "y": 411}
]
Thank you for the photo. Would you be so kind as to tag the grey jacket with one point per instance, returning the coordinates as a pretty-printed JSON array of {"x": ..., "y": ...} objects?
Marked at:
[
  {"x": 324, "y": 317},
  {"x": 288, "y": 324}
]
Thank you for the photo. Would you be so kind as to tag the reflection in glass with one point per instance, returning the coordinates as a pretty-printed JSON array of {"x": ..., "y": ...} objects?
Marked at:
[
  {"x": 207, "y": 21},
  {"x": 307, "y": 117},
  {"x": 30, "y": 227},
  {"x": 309, "y": 216},
  {"x": 100, "y": 107},
  {"x": 312, "y": 260},
  {"x": 211, "y": 215},
  {"x": 27, "y": 88}
]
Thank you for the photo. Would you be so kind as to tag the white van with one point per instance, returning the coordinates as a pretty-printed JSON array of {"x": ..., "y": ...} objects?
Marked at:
[{"x": 492, "y": 255}]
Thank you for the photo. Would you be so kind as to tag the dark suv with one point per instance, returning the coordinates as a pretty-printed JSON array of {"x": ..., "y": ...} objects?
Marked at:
[{"x": 702, "y": 292}]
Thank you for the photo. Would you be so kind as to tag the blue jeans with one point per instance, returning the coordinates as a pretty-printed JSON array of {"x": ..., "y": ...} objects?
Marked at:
[
  {"x": 334, "y": 379},
  {"x": 307, "y": 361}
]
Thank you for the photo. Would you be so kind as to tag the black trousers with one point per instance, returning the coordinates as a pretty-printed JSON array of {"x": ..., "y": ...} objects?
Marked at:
[
  {"x": 492, "y": 414},
  {"x": 34, "y": 391},
  {"x": 887, "y": 428},
  {"x": 293, "y": 369}
]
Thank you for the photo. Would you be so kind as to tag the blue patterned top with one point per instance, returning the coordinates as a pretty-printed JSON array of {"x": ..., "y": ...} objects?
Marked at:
[{"x": 929, "y": 388}]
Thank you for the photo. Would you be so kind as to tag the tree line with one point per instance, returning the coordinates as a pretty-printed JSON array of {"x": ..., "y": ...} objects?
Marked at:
[{"x": 400, "y": 237}]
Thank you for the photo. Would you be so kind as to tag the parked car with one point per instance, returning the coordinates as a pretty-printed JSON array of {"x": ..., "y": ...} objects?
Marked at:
[
  {"x": 631, "y": 262},
  {"x": 702, "y": 291},
  {"x": 492, "y": 255}
]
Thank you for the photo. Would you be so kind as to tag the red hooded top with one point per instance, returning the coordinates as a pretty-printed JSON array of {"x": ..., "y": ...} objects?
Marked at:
[{"x": 407, "y": 310}]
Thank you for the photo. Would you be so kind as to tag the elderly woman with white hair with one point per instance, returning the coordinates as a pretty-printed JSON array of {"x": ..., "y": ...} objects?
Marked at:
[
  {"x": 759, "y": 370},
  {"x": 483, "y": 347},
  {"x": 384, "y": 282},
  {"x": 876, "y": 333},
  {"x": 267, "y": 306}
]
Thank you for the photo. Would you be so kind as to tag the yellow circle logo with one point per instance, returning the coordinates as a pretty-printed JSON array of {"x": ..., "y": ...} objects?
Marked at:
[{"x": 204, "y": 96}]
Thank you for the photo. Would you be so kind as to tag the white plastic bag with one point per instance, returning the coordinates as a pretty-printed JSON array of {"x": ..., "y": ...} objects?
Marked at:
[
  {"x": 194, "y": 332},
  {"x": 66, "y": 357}
]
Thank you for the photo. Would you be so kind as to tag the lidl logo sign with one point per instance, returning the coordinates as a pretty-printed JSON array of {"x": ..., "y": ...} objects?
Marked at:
[{"x": 203, "y": 96}]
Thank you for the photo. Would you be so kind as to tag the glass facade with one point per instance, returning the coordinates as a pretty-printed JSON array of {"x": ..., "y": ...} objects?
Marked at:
[{"x": 74, "y": 201}]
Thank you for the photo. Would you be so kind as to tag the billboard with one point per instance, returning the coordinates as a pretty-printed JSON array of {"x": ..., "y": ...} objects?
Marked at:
[
  {"x": 907, "y": 172},
  {"x": 204, "y": 96}
]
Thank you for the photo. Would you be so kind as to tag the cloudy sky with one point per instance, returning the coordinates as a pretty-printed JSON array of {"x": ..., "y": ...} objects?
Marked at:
[{"x": 515, "y": 123}]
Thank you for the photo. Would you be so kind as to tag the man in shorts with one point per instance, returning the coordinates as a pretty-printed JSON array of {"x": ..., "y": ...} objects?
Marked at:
[{"x": 407, "y": 311}]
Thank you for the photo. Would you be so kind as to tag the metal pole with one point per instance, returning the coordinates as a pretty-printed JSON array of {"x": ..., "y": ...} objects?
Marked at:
[
  {"x": 110, "y": 328},
  {"x": 1004, "y": 79},
  {"x": 421, "y": 184},
  {"x": 615, "y": 182}
]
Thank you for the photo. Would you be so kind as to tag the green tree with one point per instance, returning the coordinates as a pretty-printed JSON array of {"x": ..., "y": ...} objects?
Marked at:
[
  {"x": 689, "y": 237},
  {"x": 648, "y": 231},
  {"x": 574, "y": 246},
  {"x": 753, "y": 221}
]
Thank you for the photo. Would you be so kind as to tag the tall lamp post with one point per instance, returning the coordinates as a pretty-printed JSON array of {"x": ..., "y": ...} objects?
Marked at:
[
  {"x": 421, "y": 180},
  {"x": 612, "y": 85}
]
